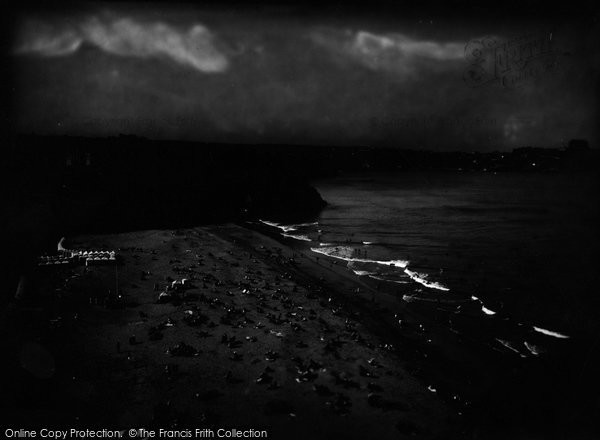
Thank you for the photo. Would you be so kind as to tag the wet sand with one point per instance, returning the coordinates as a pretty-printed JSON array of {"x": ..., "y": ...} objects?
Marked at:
[{"x": 260, "y": 336}]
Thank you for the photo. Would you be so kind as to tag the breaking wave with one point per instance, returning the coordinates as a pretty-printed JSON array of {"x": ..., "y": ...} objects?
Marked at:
[
  {"x": 362, "y": 273},
  {"x": 533, "y": 349},
  {"x": 422, "y": 279},
  {"x": 297, "y": 237},
  {"x": 510, "y": 346},
  {"x": 345, "y": 253},
  {"x": 550, "y": 333},
  {"x": 284, "y": 228},
  {"x": 288, "y": 228},
  {"x": 487, "y": 311}
]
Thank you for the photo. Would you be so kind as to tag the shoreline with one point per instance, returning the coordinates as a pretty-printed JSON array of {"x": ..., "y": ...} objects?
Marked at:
[
  {"x": 246, "y": 278},
  {"x": 496, "y": 393},
  {"x": 256, "y": 342}
]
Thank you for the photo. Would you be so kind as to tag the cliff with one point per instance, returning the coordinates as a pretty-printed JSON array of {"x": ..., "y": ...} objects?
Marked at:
[{"x": 55, "y": 186}]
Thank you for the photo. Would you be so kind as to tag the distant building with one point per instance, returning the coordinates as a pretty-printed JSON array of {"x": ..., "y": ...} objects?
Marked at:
[{"x": 578, "y": 146}]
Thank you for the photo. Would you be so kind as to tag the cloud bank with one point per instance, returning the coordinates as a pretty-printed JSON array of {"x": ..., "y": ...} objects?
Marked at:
[
  {"x": 393, "y": 53},
  {"x": 233, "y": 77},
  {"x": 194, "y": 47}
]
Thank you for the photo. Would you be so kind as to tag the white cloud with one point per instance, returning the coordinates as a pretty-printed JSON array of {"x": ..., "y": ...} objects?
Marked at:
[
  {"x": 392, "y": 52},
  {"x": 369, "y": 43},
  {"x": 44, "y": 39},
  {"x": 194, "y": 47}
]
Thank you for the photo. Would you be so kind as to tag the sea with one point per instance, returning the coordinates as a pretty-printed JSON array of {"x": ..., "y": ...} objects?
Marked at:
[{"x": 511, "y": 258}]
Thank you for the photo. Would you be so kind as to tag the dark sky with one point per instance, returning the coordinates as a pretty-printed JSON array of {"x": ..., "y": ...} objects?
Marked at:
[{"x": 431, "y": 78}]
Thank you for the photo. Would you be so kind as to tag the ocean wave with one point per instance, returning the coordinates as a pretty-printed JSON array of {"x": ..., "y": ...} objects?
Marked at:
[
  {"x": 510, "y": 346},
  {"x": 550, "y": 333},
  {"x": 534, "y": 349},
  {"x": 297, "y": 237},
  {"x": 422, "y": 279},
  {"x": 484, "y": 309},
  {"x": 284, "y": 228},
  {"x": 388, "y": 280},
  {"x": 303, "y": 225},
  {"x": 411, "y": 298},
  {"x": 487, "y": 311},
  {"x": 290, "y": 228},
  {"x": 344, "y": 253},
  {"x": 362, "y": 273},
  {"x": 268, "y": 223}
]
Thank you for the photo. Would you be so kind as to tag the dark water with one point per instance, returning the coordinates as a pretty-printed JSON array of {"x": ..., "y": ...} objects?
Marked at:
[{"x": 510, "y": 255}]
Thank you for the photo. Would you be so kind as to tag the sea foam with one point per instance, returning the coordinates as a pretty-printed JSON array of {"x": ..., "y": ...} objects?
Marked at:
[
  {"x": 509, "y": 346},
  {"x": 422, "y": 279},
  {"x": 550, "y": 333},
  {"x": 362, "y": 273},
  {"x": 345, "y": 253},
  {"x": 487, "y": 311},
  {"x": 287, "y": 228},
  {"x": 297, "y": 237}
]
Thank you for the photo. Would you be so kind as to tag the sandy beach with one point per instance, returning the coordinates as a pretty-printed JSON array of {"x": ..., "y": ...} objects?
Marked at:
[
  {"x": 300, "y": 220},
  {"x": 258, "y": 336}
]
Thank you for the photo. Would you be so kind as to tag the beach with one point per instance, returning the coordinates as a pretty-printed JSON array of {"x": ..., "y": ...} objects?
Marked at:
[
  {"x": 300, "y": 221},
  {"x": 258, "y": 336},
  {"x": 244, "y": 326}
]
